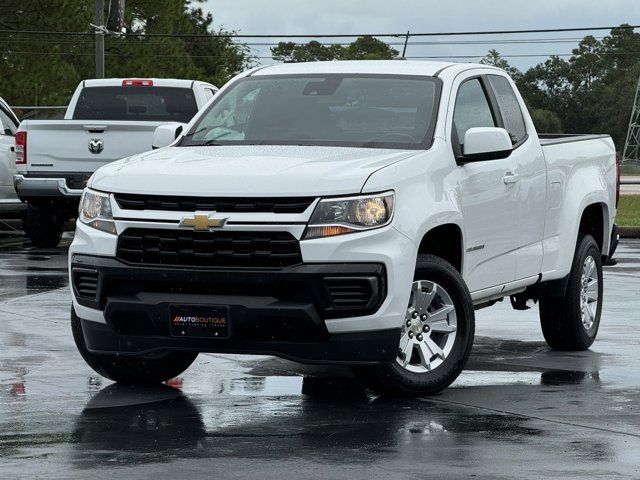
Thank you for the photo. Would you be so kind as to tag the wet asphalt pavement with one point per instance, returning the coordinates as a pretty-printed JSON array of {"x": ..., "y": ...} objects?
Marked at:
[{"x": 518, "y": 411}]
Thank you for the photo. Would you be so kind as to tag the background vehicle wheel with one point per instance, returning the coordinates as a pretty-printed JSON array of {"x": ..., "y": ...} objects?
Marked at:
[
  {"x": 571, "y": 322},
  {"x": 42, "y": 227},
  {"x": 132, "y": 370},
  {"x": 437, "y": 334}
]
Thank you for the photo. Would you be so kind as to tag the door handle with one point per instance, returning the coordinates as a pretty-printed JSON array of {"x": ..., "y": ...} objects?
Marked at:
[{"x": 510, "y": 178}]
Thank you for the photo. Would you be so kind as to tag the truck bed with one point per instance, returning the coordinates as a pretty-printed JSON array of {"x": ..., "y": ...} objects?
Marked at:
[{"x": 557, "y": 138}]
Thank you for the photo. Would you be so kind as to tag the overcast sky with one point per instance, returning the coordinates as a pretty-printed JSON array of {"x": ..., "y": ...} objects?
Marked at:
[{"x": 390, "y": 16}]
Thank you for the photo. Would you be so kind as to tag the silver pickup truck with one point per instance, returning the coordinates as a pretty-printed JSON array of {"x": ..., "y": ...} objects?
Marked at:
[{"x": 106, "y": 120}]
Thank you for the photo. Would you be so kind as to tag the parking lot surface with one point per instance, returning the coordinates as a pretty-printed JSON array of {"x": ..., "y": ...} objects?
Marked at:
[{"x": 519, "y": 410}]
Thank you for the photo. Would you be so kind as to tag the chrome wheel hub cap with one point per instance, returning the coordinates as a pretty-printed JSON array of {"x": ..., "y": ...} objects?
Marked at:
[
  {"x": 589, "y": 293},
  {"x": 429, "y": 330}
]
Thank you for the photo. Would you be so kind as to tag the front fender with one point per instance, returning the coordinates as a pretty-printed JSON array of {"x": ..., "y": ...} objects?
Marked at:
[{"x": 426, "y": 187}]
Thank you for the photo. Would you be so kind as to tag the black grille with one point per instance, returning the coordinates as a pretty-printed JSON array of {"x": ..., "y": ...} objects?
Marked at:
[
  {"x": 347, "y": 292},
  {"x": 226, "y": 204},
  {"x": 85, "y": 282},
  {"x": 209, "y": 249}
]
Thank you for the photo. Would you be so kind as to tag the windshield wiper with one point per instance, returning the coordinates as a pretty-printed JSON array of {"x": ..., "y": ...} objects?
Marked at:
[{"x": 193, "y": 133}]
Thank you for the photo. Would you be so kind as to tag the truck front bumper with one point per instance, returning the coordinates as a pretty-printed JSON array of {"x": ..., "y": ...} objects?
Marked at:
[
  {"x": 283, "y": 312},
  {"x": 30, "y": 187}
]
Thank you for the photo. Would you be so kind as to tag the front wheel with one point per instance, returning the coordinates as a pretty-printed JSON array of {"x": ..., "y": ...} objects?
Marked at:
[
  {"x": 571, "y": 322},
  {"x": 436, "y": 337},
  {"x": 132, "y": 370}
]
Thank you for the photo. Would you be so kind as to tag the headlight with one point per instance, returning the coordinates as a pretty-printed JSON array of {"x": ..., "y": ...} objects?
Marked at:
[
  {"x": 337, "y": 216},
  {"x": 95, "y": 211}
]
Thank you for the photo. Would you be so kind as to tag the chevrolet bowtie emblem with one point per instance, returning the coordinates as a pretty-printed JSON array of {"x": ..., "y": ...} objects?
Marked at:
[{"x": 202, "y": 221}]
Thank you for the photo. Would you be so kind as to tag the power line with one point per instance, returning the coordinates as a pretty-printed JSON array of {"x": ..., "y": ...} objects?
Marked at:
[
  {"x": 528, "y": 41},
  {"x": 403, "y": 34},
  {"x": 82, "y": 54},
  {"x": 481, "y": 55}
]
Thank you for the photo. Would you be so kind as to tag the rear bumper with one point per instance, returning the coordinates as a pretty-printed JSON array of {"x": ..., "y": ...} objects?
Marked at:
[
  {"x": 29, "y": 187},
  {"x": 282, "y": 311},
  {"x": 11, "y": 205}
]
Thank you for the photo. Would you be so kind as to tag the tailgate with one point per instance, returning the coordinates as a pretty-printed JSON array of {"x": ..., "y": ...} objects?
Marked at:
[{"x": 83, "y": 146}]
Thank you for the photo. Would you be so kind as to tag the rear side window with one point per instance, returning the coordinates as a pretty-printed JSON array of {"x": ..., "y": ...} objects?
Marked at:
[
  {"x": 8, "y": 123},
  {"x": 141, "y": 103},
  {"x": 509, "y": 107},
  {"x": 472, "y": 109}
]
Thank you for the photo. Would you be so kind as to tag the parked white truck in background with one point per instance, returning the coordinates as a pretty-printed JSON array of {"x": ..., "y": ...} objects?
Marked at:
[
  {"x": 10, "y": 204},
  {"x": 343, "y": 212},
  {"x": 106, "y": 120}
]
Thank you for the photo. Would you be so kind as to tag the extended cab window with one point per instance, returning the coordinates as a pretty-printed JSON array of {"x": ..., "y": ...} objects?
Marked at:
[
  {"x": 509, "y": 108},
  {"x": 377, "y": 111},
  {"x": 471, "y": 110},
  {"x": 141, "y": 103}
]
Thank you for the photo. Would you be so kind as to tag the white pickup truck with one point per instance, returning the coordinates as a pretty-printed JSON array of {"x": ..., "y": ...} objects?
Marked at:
[
  {"x": 106, "y": 120},
  {"x": 10, "y": 204},
  {"x": 343, "y": 212}
]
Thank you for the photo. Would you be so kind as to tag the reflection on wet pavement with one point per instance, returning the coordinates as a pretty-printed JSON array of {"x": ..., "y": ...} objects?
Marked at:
[
  {"x": 519, "y": 410},
  {"x": 25, "y": 270}
]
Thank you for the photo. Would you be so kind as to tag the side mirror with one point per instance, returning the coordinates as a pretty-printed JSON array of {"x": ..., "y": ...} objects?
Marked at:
[
  {"x": 166, "y": 134},
  {"x": 486, "y": 143}
]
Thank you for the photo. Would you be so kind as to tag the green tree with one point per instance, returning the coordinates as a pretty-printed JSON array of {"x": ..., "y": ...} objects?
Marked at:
[
  {"x": 313, "y": 51},
  {"x": 364, "y": 48},
  {"x": 368, "y": 48},
  {"x": 592, "y": 91},
  {"x": 546, "y": 121},
  {"x": 46, "y": 69},
  {"x": 494, "y": 59}
]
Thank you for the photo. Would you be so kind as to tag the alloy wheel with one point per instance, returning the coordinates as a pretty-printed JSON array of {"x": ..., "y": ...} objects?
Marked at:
[{"x": 429, "y": 330}]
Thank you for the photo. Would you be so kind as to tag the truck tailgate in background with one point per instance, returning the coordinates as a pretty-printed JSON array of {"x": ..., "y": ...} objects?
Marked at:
[{"x": 70, "y": 145}]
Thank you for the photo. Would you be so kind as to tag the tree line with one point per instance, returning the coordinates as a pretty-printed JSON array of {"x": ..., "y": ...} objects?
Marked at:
[
  {"x": 47, "y": 68},
  {"x": 591, "y": 91}
]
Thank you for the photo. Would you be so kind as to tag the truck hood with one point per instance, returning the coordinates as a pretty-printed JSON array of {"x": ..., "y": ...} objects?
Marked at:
[{"x": 246, "y": 170}]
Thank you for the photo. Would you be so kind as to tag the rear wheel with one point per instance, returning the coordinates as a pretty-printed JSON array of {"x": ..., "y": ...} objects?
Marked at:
[
  {"x": 437, "y": 334},
  {"x": 43, "y": 227},
  {"x": 132, "y": 370},
  {"x": 571, "y": 321}
]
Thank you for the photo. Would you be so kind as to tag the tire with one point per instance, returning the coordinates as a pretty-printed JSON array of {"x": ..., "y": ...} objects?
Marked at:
[
  {"x": 132, "y": 370},
  {"x": 42, "y": 227},
  {"x": 413, "y": 377},
  {"x": 561, "y": 317}
]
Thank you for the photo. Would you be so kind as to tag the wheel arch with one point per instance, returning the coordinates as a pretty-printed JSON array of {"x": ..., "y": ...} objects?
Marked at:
[
  {"x": 444, "y": 241},
  {"x": 594, "y": 221}
]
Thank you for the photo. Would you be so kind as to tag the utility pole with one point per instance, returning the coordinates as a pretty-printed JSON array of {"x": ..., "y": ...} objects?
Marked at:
[
  {"x": 632, "y": 145},
  {"x": 99, "y": 29},
  {"x": 406, "y": 42}
]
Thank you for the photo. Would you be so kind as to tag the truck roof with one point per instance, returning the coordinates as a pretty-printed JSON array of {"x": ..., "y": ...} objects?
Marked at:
[
  {"x": 158, "y": 82},
  {"x": 388, "y": 67}
]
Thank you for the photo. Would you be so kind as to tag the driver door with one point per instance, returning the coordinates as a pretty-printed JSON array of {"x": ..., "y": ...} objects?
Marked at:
[{"x": 489, "y": 202}]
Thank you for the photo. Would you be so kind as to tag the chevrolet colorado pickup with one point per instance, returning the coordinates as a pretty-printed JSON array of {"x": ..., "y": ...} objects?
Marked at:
[
  {"x": 106, "y": 120},
  {"x": 343, "y": 212}
]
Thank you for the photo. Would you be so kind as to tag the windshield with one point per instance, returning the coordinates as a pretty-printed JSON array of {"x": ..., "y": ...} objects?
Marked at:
[
  {"x": 141, "y": 103},
  {"x": 382, "y": 111}
]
